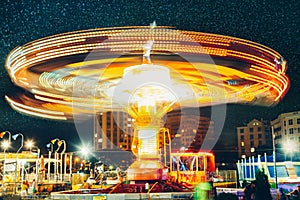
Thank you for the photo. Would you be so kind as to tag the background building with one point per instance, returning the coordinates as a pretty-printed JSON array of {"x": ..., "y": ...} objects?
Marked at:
[
  {"x": 188, "y": 128},
  {"x": 114, "y": 130},
  {"x": 287, "y": 131},
  {"x": 255, "y": 135}
]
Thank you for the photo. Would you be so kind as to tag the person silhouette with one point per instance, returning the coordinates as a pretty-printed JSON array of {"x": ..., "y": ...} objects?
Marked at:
[{"x": 249, "y": 191}]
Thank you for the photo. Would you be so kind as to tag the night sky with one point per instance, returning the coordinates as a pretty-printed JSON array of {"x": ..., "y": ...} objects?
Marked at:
[{"x": 275, "y": 25}]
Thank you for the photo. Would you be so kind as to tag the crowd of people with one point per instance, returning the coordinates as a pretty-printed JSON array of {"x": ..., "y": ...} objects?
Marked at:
[
  {"x": 249, "y": 193},
  {"x": 26, "y": 188}
]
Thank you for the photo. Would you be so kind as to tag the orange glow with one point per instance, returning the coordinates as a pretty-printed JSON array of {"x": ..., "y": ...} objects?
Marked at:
[{"x": 52, "y": 85}]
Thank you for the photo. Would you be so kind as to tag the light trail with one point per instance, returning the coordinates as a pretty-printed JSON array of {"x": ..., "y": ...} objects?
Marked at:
[{"x": 77, "y": 72}]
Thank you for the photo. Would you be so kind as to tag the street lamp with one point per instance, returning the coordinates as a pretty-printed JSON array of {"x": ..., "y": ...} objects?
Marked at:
[
  {"x": 289, "y": 147},
  {"x": 22, "y": 140},
  {"x": 29, "y": 144},
  {"x": 2, "y": 134},
  {"x": 22, "y": 143},
  {"x": 84, "y": 151},
  {"x": 70, "y": 165},
  {"x": 274, "y": 158},
  {"x": 50, "y": 147},
  {"x": 53, "y": 141},
  {"x": 59, "y": 143},
  {"x": 5, "y": 146},
  {"x": 61, "y": 156},
  {"x": 37, "y": 168}
]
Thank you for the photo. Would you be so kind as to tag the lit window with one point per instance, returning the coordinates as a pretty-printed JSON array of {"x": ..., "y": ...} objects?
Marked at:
[{"x": 242, "y": 144}]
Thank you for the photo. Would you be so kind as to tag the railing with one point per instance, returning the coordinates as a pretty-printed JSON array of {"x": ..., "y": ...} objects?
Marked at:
[
  {"x": 37, "y": 197},
  {"x": 52, "y": 178}
]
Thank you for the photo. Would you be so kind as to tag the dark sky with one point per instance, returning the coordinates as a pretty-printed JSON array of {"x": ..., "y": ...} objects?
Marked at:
[{"x": 272, "y": 24}]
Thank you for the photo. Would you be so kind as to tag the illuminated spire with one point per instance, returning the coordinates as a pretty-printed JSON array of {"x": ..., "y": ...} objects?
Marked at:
[{"x": 153, "y": 24}]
